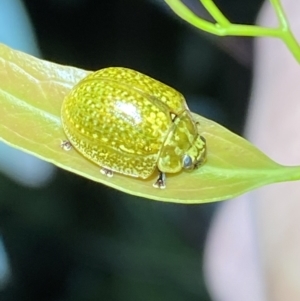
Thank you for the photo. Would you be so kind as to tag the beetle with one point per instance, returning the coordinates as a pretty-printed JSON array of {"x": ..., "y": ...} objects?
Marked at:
[{"x": 130, "y": 123}]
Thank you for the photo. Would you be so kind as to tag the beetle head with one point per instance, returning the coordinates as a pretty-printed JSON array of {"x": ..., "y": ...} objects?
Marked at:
[{"x": 196, "y": 155}]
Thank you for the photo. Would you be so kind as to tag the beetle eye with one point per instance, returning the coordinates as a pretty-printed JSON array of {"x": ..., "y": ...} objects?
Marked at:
[{"x": 187, "y": 162}]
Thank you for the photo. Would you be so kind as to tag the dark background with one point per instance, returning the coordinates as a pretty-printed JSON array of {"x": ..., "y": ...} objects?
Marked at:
[{"x": 79, "y": 240}]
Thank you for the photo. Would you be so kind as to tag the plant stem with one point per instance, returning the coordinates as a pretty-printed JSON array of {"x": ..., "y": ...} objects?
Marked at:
[
  {"x": 287, "y": 35},
  {"x": 215, "y": 28},
  {"x": 223, "y": 27},
  {"x": 215, "y": 13},
  {"x": 280, "y": 13}
]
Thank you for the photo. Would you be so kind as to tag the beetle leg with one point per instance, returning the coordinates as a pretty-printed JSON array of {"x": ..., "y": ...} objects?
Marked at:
[
  {"x": 66, "y": 145},
  {"x": 161, "y": 181},
  {"x": 107, "y": 172},
  {"x": 173, "y": 116}
]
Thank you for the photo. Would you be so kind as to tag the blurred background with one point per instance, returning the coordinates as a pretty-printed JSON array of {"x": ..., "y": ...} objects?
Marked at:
[{"x": 63, "y": 237}]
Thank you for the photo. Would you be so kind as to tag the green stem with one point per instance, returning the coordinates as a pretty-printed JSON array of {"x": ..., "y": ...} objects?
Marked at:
[
  {"x": 215, "y": 28},
  {"x": 282, "y": 18},
  {"x": 215, "y": 13},
  {"x": 223, "y": 27},
  {"x": 287, "y": 35},
  {"x": 250, "y": 31},
  {"x": 292, "y": 44}
]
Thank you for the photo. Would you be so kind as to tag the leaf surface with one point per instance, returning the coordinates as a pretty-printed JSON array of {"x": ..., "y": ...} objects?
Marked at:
[{"x": 31, "y": 93}]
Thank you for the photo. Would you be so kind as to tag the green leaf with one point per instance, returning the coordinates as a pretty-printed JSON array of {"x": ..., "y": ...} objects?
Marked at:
[{"x": 31, "y": 93}]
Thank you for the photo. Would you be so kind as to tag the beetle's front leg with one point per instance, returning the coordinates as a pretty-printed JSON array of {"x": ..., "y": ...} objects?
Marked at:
[{"x": 161, "y": 181}]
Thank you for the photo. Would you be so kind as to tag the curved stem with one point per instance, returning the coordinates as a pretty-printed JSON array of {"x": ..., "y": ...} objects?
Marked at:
[
  {"x": 292, "y": 44},
  {"x": 287, "y": 36},
  {"x": 282, "y": 18},
  {"x": 215, "y": 13},
  {"x": 223, "y": 27},
  {"x": 217, "y": 29}
]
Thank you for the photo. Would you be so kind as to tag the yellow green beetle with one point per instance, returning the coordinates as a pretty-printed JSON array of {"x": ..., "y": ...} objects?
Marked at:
[{"x": 130, "y": 123}]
